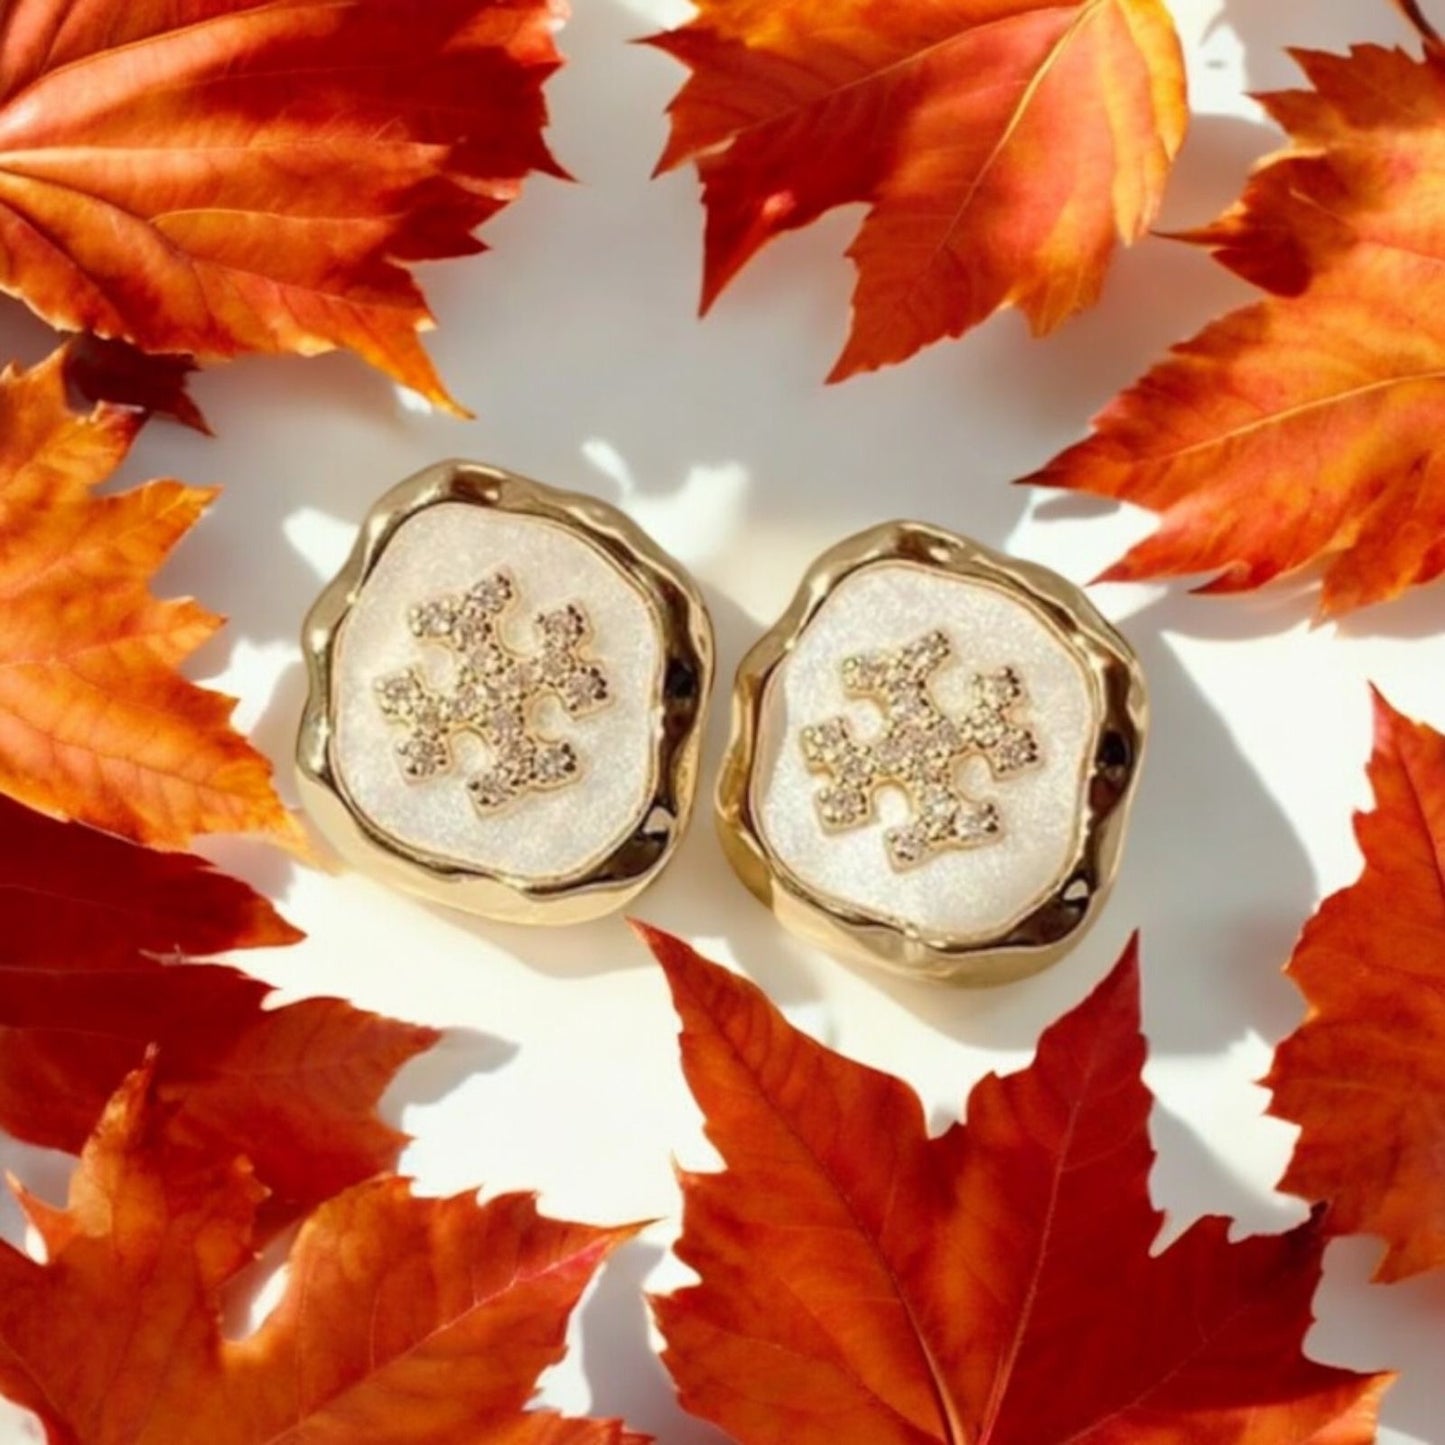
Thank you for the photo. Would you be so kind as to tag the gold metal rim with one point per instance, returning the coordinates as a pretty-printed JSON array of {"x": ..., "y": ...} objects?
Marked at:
[
  {"x": 684, "y": 689},
  {"x": 1046, "y": 933}
]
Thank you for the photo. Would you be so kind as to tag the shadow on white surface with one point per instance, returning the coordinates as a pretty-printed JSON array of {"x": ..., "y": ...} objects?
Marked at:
[
  {"x": 461, "y": 1054},
  {"x": 1194, "y": 1180},
  {"x": 1383, "y": 1327},
  {"x": 627, "y": 1378},
  {"x": 1268, "y": 32},
  {"x": 1214, "y": 878}
]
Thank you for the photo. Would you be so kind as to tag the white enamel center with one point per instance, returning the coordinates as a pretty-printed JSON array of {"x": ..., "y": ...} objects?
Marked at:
[
  {"x": 542, "y": 836},
  {"x": 965, "y": 894}
]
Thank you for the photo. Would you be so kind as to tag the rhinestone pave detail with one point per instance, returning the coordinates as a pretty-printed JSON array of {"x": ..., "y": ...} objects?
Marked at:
[
  {"x": 919, "y": 751},
  {"x": 492, "y": 694}
]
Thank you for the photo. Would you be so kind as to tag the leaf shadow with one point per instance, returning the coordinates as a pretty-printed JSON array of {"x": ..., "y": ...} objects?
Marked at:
[
  {"x": 1266, "y": 32},
  {"x": 1190, "y": 1180},
  {"x": 24, "y": 338},
  {"x": 459, "y": 1055},
  {"x": 1294, "y": 602},
  {"x": 1370, "y": 1326},
  {"x": 628, "y": 1380},
  {"x": 274, "y": 730}
]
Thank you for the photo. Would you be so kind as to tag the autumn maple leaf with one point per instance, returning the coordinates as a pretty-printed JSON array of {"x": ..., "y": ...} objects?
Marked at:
[
  {"x": 1004, "y": 147},
  {"x": 405, "y": 1321},
  {"x": 864, "y": 1284},
  {"x": 85, "y": 921},
  {"x": 218, "y": 177},
  {"x": 1364, "y": 1075},
  {"x": 1309, "y": 426},
  {"x": 95, "y": 723}
]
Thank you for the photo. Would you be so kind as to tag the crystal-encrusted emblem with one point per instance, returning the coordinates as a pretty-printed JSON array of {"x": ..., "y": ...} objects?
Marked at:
[
  {"x": 919, "y": 751},
  {"x": 493, "y": 693}
]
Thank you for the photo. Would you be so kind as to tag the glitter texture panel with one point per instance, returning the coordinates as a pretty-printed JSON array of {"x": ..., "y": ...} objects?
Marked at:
[
  {"x": 541, "y": 836},
  {"x": 968, "y": 893}
]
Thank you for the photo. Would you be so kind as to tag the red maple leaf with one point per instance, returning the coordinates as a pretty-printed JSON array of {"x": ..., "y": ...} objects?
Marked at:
[
  {"x": 1364, "y": 1075},
  {"x": 864, "y": 1284},
  {"x": 85, "y": 921},
  {"x": 405, "y": 1321}
]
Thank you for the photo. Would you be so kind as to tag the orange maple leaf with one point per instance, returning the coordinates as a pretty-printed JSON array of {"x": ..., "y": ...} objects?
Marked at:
[
  {"x": 864, "y": 1284},
  {"x": 86, "y": 920},
  {"x": 405, "y": 1321},
  {"x": 1004, "y": 146},
  {"x": 95, "y": 723},
  {"x": 1364, "y": 1075},
  {"x": 1311, "y": 425},
  {"x": 217, "y": 177}
]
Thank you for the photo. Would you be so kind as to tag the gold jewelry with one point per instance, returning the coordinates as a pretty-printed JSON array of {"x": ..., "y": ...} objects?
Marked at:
[
  {"x": 507, "y": 688},
  {"x": 932, "y": 758}
]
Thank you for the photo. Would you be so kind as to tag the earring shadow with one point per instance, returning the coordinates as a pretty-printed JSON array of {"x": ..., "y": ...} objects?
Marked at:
[{"x": 1212, "y": 874}]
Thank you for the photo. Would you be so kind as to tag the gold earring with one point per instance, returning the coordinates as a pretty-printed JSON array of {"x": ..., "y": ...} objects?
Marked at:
[
  {"x": 933, "y": 756},
  {"x": 507, "y": 690}
]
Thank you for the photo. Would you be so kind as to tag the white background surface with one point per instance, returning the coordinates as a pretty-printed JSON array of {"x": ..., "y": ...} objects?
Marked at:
[{"x": 575, "y": 342}]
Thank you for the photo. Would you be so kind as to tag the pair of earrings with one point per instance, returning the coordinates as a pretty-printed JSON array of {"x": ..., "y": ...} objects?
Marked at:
[{"x": 932, "y": 756}]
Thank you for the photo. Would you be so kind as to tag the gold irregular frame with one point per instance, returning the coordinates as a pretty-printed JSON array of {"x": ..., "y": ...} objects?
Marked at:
[
  {"x": 1121, "y": 709},
  {"x": 685, "y": 686}
]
